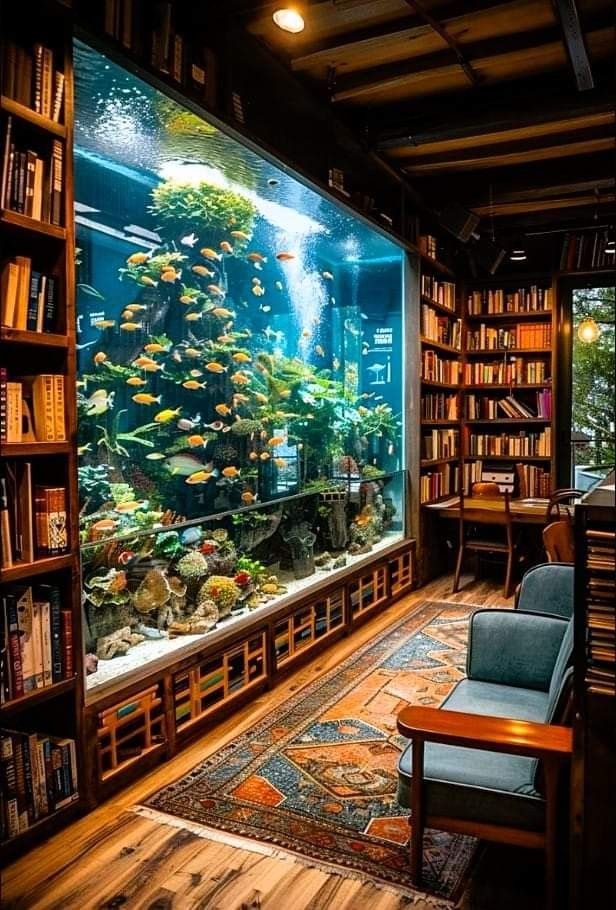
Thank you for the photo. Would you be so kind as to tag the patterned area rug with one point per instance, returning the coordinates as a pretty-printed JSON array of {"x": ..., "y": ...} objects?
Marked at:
[{"x": 317, "y": 776}]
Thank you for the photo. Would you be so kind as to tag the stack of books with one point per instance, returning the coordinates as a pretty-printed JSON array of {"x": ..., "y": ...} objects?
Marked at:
[
  {"x": 438, "y": 369},
  {"x": 28, "y": 297},
  {"x": 499, "y": 372},
  {"x": 34, "y": 516},
  {"x": 37, "y": 640},
  {"x": 32, "y": 408},
  {"x": 428, "y": 245},
  {"x": 31, "y": 184},
  {"x": 436, "y": 484},
  {"x": 522, "y": 337},
  {"x": 443, "y": 292},
  {"x": 497, "y": 300},
  {"x": 38, "y": 774},
  {"x": 441, "y": 444},
  {"x": 31, "y": 79},
  {"x": 521, "y": 444},
  {"x": 533, "y": 481},
  {"x": 440, "y": 328},
  {"x": 439, "y": 406}
]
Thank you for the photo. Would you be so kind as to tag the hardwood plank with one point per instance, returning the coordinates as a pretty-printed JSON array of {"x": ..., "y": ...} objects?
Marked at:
[{"x": 503, "y": 209}]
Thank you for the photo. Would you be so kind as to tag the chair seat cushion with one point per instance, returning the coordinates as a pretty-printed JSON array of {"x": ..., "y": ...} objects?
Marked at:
[{"x": 481, "y": 786}]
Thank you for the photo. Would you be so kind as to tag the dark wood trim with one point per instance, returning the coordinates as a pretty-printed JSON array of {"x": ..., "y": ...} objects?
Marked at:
[{"x": 573, "y": 40}]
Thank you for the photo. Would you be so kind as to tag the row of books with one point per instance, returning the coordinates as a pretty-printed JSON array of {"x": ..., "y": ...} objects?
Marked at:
[
  {"x": 533, "y": 481},
  {"x": 38, "y": 776},
  {"x": 32, "y": 408},
  {"x": 499, "y": 372},
  {"x": 586, "y": 250},
  {"x": 29, "y": 77},
  {"x": 27, "y": 297},
  {"x": 31, "y": 184},
  {"x": 600, "y": 673},
  {"x": 441, "y": 444},
  {"x": 438, "y": 369},
  {"x": 518, "y": 338},
  {"x": 37, "y": 640},
  {"x": 484, "y": 408},
  {"x": 436, "y": 484},
  {"x": 150, "y": 31},
  {"x": 428, "y": 245},
  {"x": 497, "y": 300},
  {"x": 34, "y": 519},
  {"x": 439, "y": 406},
  {"x": 443, "y": 292},
  {"x": 440, "y": 328},
  {"x": 519, "y": 444}
]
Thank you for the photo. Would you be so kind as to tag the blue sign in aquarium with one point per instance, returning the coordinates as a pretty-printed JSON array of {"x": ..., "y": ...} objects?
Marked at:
[{"x": 240, "y": 343}]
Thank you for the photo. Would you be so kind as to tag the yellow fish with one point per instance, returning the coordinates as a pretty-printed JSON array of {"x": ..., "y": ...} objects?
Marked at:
[
  {"x": 225, "y": 339},
  {"x": 240, "y": 235},
  {"x": 285, "y": 257},
  {"x": 104, "y": 323},
  {"x": 247, "y": 497},
  {"x": 151, "y": 367},
  {"x": 136, "y": 307},
  {"x": 131, "y": 326},
  {"x": 275, "y": 440},
  {"x": 240, "y": 378},
  {"x": 286, "y": 393},
  {"x": 223, "y": 409},
  {"x": 127, "y": 314},
  {"x": 138, "y": 258},
  {"x": 187, "y": 300},
  {"x": 258, "y": 290},
  {"x": 167, "y": 415},
  {"x": 154, "y": 347},
  {"x": 280, "y": 462},
  {"x": 306, "y": 333},
  {"x": 225, "y": 246},
  {"x": 145, "y": 398},
  {"x": 199, "y": 477},
  {"x": 101, "y": 357},
  {"x": 238, "y": 397},
  {"x": 261, "y": 398},
  {"x": 196, "y": 373},
  {"x": 230, "y": 472},
  {"x": 155, "y": 456},
  {"x": 240, "y": 357},
  {"x": 215, "y": 367},
  {"x": 192, "y": 352},
  {"x": 142, "y": 361},
  {"x": 192, "y": 385},
  {"x": 253, "y": 456},
  {"x": 149, "y": 282},
  {"x": 215, "y": 289},
  {"x": 319, "y": 350},
  {"x": 222, "y": 312},
  {"x": 169, "y": 275},
  {"x": 195, "y": 440},
  {"x": 256, "y": 257},
  {"x": 256, "y": 280},
  {"x": 328, "y": 276},
  {"x": 192, "y": 317},
  {"x": 264, "y": 456},
  {"x": 126, "y": 507},
  {"x": 136, "y": 380},
  {"x": 202, "y": 271},
  {"x": 208, "y": 253}
]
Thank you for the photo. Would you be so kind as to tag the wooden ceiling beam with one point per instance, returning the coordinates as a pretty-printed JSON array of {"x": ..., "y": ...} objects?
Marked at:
[
  {"x": 582, "y": 187},
  {"x": 573, "y": 39},
  {"x": 505, "y": 209},
  {"x": 440, "y": 29}
]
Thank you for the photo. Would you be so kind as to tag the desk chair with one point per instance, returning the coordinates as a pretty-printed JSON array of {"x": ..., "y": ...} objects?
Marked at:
[
  {"x": 559, "y": 542},
  {"x": 558, "y": 498},
  {"x": 497, "y": 515}
]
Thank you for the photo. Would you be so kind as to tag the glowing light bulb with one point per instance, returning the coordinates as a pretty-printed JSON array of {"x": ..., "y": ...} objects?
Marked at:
[
  {"x": 588, "y": 330},
  {"x": 518, "y": 255},
  {"x": 289, "y": 20}
]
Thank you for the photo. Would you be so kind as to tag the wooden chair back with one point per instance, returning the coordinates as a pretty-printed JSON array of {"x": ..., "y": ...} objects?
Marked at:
[
  {"x": 495, "y": 511},
  {"x": 558, "y": 498},
  {"x": 558, "y": 541}
]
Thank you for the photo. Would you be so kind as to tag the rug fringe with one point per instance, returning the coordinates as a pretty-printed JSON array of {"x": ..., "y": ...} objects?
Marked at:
[{"x": 420, "y": 899}]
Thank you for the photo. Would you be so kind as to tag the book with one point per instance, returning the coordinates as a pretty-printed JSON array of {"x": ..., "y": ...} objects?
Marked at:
[
  {"x": 17, "y": 481},
  {"x": 68, "y": 666},
  {"x": 8, "y": 291},
  {"x": 51, "y": 595},
  {"x": 11, "y": 635},
  {"x": 58, "y": 95},
  {"x": 28, "y": 635},
  {"x": 50, "y": 520},
  {"x": 59, "y": 422},
  {"x": 13, "y": 412},
  {"x": 33, "y": 305}
]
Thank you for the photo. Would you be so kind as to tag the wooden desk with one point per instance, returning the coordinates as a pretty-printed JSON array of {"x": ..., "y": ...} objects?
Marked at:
[{"x": 523, "y": 511}]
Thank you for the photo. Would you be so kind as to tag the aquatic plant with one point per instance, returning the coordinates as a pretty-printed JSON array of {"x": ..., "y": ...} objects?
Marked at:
[
  {"x": 94, "y": 486},
  {"x": 192, "y": 566},
  {"x": 180, "y": 207},
  {"x": 252, "y": 567},
  {"x": 168, "y": 545},
  {"x": 245, "y": 426},
  {"x": 223, "y": 591}
]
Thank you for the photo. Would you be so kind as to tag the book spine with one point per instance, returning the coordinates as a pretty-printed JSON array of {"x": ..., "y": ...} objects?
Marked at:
[
  {"x": 35, "y": 280},
  {"x": 47, "y": 82},
  {"x": 40, "y": 303},
  {"x": 45, "y": 616},
  {"x": 38, "y": 77},
  {"x": 49, "y": 309},
  {"x": 67, "y": 644},
  {"x": 20, "y": 782},
  {"x": 6, "y": 164},
  {"x": 8, "y": 784},
  {"x": 58, "y": 400},
  {"x": 37, "y": 641},
  {"x": 51, "y": 593},
  {"x": 44, "y": 408},
  {"x": 16, "y": 678},
  {"x": 29, "y": 183},
  {"x": 58, "y": 95},
  {"x": 3, "y": 404},
  {"x": 56, "y": 182}
]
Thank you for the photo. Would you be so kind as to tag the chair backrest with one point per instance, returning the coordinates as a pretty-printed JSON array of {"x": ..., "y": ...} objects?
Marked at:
[
  {"x": 485, "y": 510},
  {"x": 547, "y": 588},
  {"x": 558, "y": 498},
  {"x": 486, "y": 488},
  {"x": 559, "y": 542}
]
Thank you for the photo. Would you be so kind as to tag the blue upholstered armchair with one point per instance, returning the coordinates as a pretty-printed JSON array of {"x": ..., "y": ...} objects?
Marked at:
[
  {"x": 487, "y": 763},
  {"x": 547, "y": 588}
]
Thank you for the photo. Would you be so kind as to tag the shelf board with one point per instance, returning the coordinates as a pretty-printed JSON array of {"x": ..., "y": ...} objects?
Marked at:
[
  {"x": 507, "y": 457},
  {"x": 508, "y": 351},
  {"x": 440, "y": 423},
  {"x": 507, "y": 385},
  {"x": 14, "y": 219},
  {"x": 440, "y": 385},
  {"x": 38, "y": 696},
  {"x": 48, "y": 821},
  {"x": 44, "y": 339},
  {"x": 25, "y": 113},
  {"x": 22, "y": 570},
  {"x": 531, "y": 314},
  {"x": 439, "y": 306},
  {"x": 431, "y": 502},
  {"x": 13, "y": 449},
  {"x": 437, "y": 266},
  {"x": 440, "y": 346},
  {"x": 429, "y": 462},
  {"x": 510, "y": 420}
]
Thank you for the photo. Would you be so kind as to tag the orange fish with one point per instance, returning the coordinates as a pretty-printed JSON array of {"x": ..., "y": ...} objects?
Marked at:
[
  {"x": 247, "y": 497},
  {"x": 138, "y": 258},
  {"x": 223, "y": 409},
  {"x": 208, "y": 253},
  {"x": 240, "y": 378},
  {"x": 195, "y": 440},
  {"x": 275, "y": 441},
  {"x": 145, "y": 398},
  {"x": 280, "y": 462},
  {"x": 230, "y": 472},
  {"x": 105, "y": 524},
  {"x": 225, "y": 339},
  {"x": 126, "y": 507},
  {"x": 240, "y": 235},
  {"x": 261, "y": 398},
  {"x": 169, "y": 275},
  {"x": 154, "y": 347},
  {"x": 149, "y": 282},
  {"x": 225, "y": 246},
  {"x": 192, "y": 385},
  {"x": 187, "y": 299},
  {"x": 101, "y": 357},
  {"x": 256, "y": 257},
  {"x": 222, "y": 312},
  {"x": 253, "y": 456},
  {"x": 136, "y": 380},
  {"x": 264, "y": 456},
  {"x": 215, "y": 367},
  {"x": 202, "y": 271},
  {"x": 285, "y": 257}
]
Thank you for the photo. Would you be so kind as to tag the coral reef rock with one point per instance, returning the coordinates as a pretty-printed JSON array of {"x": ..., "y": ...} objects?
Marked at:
[{"x": 119, "y": 642}]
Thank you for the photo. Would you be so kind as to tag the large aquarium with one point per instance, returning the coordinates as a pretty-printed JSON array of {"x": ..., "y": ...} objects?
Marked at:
[{"x": 240, "y": 362}]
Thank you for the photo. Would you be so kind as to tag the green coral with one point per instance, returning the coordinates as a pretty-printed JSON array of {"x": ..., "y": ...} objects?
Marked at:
[
  {"x": 192, "y": 566},
  {"x": 245, "y": 426},
  {"x": 223, "y": 591},
  {"x": 167, "y": 545},
  {"x": 202, "y": 207}
]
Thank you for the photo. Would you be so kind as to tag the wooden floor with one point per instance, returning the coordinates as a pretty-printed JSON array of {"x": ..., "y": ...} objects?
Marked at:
[{"x": 116, "y": 858}]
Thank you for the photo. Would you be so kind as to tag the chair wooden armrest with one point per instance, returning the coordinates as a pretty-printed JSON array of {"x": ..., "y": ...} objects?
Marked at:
[{"x": 477, "y": 731}]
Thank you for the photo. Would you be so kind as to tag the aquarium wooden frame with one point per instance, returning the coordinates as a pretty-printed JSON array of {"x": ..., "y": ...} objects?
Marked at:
[{"x": 394, "y": 564}]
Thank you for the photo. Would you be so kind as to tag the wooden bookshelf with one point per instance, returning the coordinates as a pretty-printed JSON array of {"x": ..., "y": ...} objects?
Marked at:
[{"x": 55, "y": 709}]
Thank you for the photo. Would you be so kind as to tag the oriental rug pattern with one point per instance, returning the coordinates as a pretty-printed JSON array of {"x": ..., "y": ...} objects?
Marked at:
[{"x": 317, "y": 776}]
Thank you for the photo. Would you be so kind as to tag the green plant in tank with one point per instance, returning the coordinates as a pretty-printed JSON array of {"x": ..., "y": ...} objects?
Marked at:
[
  {"x": 257, "y": 571},
  {"x": 201, "y": 207},
  {"x": 370, "y": 470},
  {"x": 94, "y": 486}
]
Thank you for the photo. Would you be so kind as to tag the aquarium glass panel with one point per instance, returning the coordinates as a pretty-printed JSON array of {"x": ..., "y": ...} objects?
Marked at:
[{"x": 239, "y": 345}]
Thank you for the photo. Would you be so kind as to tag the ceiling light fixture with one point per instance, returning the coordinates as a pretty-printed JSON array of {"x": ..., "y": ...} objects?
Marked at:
[
  {"x": 518, "y": 255},
  {"x": 588, "y": 330},
  {"x": 289, "y": 20}
]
